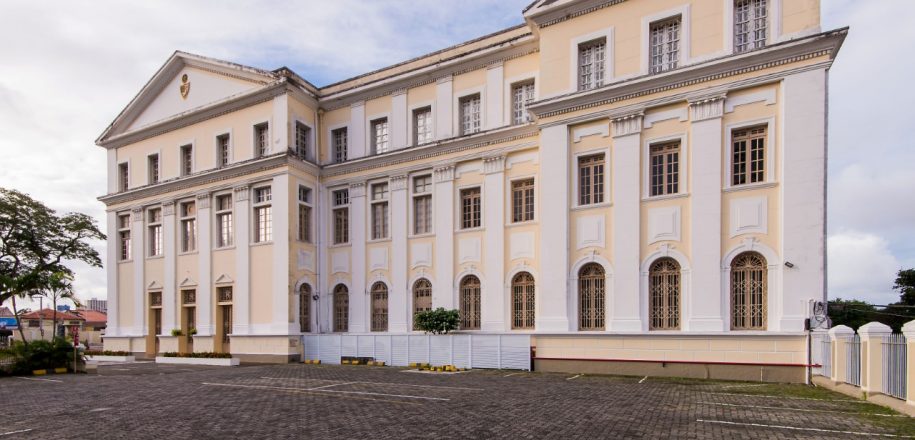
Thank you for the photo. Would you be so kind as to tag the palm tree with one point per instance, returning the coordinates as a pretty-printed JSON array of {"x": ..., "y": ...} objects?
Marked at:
[{"x": 58, "y": 288}]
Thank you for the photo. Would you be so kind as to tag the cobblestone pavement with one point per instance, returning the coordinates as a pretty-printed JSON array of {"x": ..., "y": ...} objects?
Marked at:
[{"x": 144, "y": 400}]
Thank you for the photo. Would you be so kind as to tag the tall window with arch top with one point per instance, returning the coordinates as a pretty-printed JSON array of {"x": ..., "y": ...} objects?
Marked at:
[
  {"x": 523, "y": 301},
  {"x": 591, "y": 297},
  {"x": 748, "y": 292},
  {"x": 379, "y": 307},
  {"x": 304, "y": 308},
  {"x": 664, "y": 294},
  {"x": 470, "y": 303},
  {"x": 422, "y": 296},
  {"x": 341, "y": 308}
]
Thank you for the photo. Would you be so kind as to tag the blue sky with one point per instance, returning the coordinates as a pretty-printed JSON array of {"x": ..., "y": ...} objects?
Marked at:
[{"x": 68, "y": 68}]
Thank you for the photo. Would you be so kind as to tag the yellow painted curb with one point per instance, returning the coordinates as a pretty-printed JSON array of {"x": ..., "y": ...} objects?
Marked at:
[
  {"x": 39, "y": 372},
  {"x": 60, "y": 370}
]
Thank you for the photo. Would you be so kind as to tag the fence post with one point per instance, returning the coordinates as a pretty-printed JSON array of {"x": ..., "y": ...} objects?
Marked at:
[
  {"x": 872, "y": 335},
  {"x": 909, "y": 331},
  {"x": 838, "y": 335}
]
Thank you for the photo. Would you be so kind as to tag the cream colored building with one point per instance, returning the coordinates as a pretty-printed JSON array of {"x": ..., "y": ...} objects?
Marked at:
[{"x": 639, "y": 184}]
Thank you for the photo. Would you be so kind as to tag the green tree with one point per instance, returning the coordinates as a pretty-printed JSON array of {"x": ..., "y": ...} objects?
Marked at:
[
  {"x": 35, "y": 244},
  {"x": 905, "y": 284},
  {"x": 59, "y": 288},
  {"x": 853, "y": 313},
  {"x": 438, "y": 321}
]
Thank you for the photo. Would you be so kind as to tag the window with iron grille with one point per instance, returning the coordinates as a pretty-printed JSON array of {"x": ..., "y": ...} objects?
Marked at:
[
  {"x": 470, "y": 114},
  {"x": 379, "y": 307},
  {"x": 749, "y": 279},
  {"x": 522, "y": 95},
  {"x": 380, "y": 214},
  {"x": 591, "y": 58},
  {"x": 154, "y": 223},
  {"x": 591, "y": 179},
  {"x": 339, "y": 144},
  {"x": 523, "y": 200},
  {"x": 263, "y": 214},
  {"x": 748, "y": 156},
  {"x": 422, "y": 296},
  {"x": 380, "y": 142},
  {"x": 226, "y": 311},
  {"x": 224, "y": 294},
  {"x": 123, "y": 176},
  {"x": 341, "y": 308},
  {"x": 188, "y": 223},
  {"x": 155, "y": 299},
  {"x": 470, "y": 208},
  {"x": 751, "y": 19},
  {"x": 261, "y": 140},
  {"x": 224, "y": 235},
  {"x": 223, "y": 150},
  {"x": 664, "y": 294},
  {"x": 187, "y": 160},
  {"x": 188, "y": 297},
  {"x": 153, "y": 167},
  {"x": 422, "y": 205},
  {"x": 523, "y": 301},
  {"x": 302, "y": 140},
  {"x": 422, "y": 125},
  {"x": 470, "y": 303},
  {"x": 157, "y": 323},
  {"x": 124, "y": 236},
  {"x": 591, "y": 297},
  {"x": 341, "y": 216},
  {"x": 665, "y": 45},
  {"x": 304, "y": 308},
  {"x": 665, "y": 168}
]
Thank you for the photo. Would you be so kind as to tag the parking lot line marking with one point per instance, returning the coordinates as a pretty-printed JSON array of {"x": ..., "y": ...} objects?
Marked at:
[
  {"x": 643, "y": 379},
  {"x": 331, "y": 385},
  {"x": 573, "y": 377},
  {"x": 35, "y": 378},
  {"x": 791, "y": 398},
  {"x": 395, "y": 384},
  {"x": 746, "y": 385},
  {"x": 367, "y": 393},
  {"x": 796, "y": 409},
  {"x": 511, "y": 374},
  {"x": 15, "y": 432},
  {"x": 99, "y": 409},
  {"x": 336, "y": 396},
  {"x": 796, "y": 428}
]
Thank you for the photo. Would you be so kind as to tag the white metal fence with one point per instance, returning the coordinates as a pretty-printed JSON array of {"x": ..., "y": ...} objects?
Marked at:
[
  {"x": 825, "y": 357},
  {"x": 461, "y": 350},
  {"x": 853, "y": 360},
  {"x": 894, "y": 366}
]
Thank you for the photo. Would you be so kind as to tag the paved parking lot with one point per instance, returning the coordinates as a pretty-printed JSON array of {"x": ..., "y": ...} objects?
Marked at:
[{"x": 143, "y": 400}]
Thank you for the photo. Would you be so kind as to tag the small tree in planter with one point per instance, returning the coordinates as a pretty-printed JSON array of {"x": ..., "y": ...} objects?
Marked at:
[
  {"x": 438, "y": 321},
  {"x": 177, "y": 332}
]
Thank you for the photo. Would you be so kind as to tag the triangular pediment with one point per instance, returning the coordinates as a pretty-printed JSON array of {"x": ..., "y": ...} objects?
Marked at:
[
  {"x": 183, "y": 84},
  {"x": 188, "y": 283},
  {"x": 223, "y": 279},
  {"x": 155, "y": 285}
]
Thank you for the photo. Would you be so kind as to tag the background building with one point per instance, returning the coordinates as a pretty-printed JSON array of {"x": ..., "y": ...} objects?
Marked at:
[{"x": 99, "y": 305}]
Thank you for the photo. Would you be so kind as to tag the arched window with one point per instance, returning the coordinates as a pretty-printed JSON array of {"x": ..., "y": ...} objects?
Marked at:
[
  {"x": 748, "y": 292},
  {"x": 304, "y": 308},
  {"x": 379, "y": 307},
  {"x": 422, "y": 296},
  {"x": 591, "y": 297},
  {"x": 523, "y": 301},
  {"x": 341, "y": 308},
  {"x": 664, "y": 294},
  {"x": 470, "y": 303}
]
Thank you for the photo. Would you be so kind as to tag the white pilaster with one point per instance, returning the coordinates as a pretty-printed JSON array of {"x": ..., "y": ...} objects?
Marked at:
[
  {"x": 706, "y": 311},
  {"x": 113, "y": 175},
  {"x": 138, "y": 241},
  {"x": 241, "y": 293},
  {"x": 356, "y": 135},
  {"x": 553, "y": 290},
  {"x": 493, "y": 301},
  {"x": 444, "y": 91},
  {"x": 112, "y": 253},
  {"x": 323, "y": 305},
  {"x": 204, "y": 263},
  {"x": 281, "y": 235},
  {"x": 626, "y": 303},
  {"x": 495, "y": 76},
  {"x": 398, "y": 304},
  {"x": 442, "y": 291},
  {"x": 358, "y": 310},
  {"x": 170, "y": 248},
  {"x": 399, "y": 115},
  {"x": 280, "y": 129},
  {"x": 803, "y": 197}
]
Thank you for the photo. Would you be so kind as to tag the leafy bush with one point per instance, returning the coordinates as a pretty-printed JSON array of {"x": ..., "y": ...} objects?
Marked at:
[
  {"x": 438, "y": 321},
  {"x": 40, "y": 355},
  {"x": 177, "y": 332},
  {"x": 107, "y": 353},
  {"x": 207, "y": 355}
]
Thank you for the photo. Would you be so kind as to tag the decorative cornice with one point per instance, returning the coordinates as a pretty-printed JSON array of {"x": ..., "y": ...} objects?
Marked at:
[
  {"x": 706, "y": 108},
  {"x": 563, "y": 13},
  {"x": 399, "y": 182},
  {"x": 445, "y": 79},
  {"x": 444, "y": 173},
  {"x": 627, "y": 124},
  {"x": 493, "y": 164},
  {"x": 203, "y": 201},
  {"x": 242, "y": 193}
]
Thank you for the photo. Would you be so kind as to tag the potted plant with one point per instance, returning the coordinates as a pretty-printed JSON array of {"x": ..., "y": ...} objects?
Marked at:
[{"x": 177, "y": 332}]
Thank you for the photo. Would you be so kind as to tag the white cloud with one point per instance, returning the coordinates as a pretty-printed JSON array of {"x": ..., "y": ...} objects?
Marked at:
[{"x": 861, "y": 266}]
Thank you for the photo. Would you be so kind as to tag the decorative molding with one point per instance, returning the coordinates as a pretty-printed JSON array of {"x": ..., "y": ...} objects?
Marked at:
[
  {"x": 469, "y": 250},
  {"x": 749, "y": 215},
  {"x": 168, "y": 208},
  {"x": 445, "y": 79},
  {"x": 602, "y": 129},
  {"x": 590, "y": 232},
  {"x": 356, "y": 189},
  {"x": 444, "y": 173},
  {"x": 566, "y": 12},
  {"x": 203, "y": 201},
  {"x": 493, "y": 164},
  {"x": 706, "y": 108},
  {"x": 137, "y": 212},
  {"x": 242, "y": 193},
  {"x": 682, "y": 114},
  {"x": 223, "y": 279},
  {"x": 664, "y": 224},
  {"x": 399, "y": 182},
  {"x": 522, "y": 245},
  {"x": 378, "y": 258},
  {"x": 627, "y": 125},
  {"x": 768, "y": 96},
  {"x": 421, "y": 255}
]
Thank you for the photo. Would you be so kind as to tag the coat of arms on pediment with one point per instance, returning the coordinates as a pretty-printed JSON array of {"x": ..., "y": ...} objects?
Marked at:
[{"x": 185, "y": 87}]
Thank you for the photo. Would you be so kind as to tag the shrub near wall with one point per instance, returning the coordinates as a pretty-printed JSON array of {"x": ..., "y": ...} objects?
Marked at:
[
  {"x": 41, "y": 355},
  {"x": 206, "y": 355}
]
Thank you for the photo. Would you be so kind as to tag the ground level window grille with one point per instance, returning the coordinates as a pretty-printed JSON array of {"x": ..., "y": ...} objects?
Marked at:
[
  {"x": 853, "y": 360},
  {"x": 894, "y": 366}
]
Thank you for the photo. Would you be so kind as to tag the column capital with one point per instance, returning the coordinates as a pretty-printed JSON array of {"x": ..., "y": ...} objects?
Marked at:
[
  {"x": 242, "y": 193},
  {"x": 840, "y": 330},
  {"x": 493, "y": 164},
  {"x": 908, "y": 329},
  {"x": 399, "y": 182},
  {"x": 168, "y": 208},
  {"x": 399, "y": 92},
  {"x": 444, "y": 79},
  {"x": 203, "y": 201},
  {"x": 626, "y": 125},
  {"x": 706, "y": 107},
  {"x": 137, "y": 210},
  {"x": 872, "y": 329},
  {"x": 356, "y": 189},
  {"x": 444, "y": 173}
]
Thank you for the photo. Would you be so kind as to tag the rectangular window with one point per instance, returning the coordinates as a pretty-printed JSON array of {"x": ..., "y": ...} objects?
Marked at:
[
  {"x": 124, "y": 236},
  {"x": 380, "y": 142},
  {"x": 222, "y": 150},
  {"x": 591, "y": 179},
  {"x": 523, "y": 200},
  {"x": 224, "y": 235},
  {"x": 665, "y": 45},
  {"x": 154, "y": 223},
  {"x": 187, "y": 160},
  {"x": 302, "y": 139},
  {"x": 261, "y": 140},
  {"x": 748, "y": 156},
  {"x": 263, "y": 215},
  {"x": 470, "y": 114},
  {"x": 422, "y": 205},
  {"x": 422, "y": 125},
  {"x": 665, "y": 168},
  {"x": 751, "y": 18},
  {"x": 123, "y": 176},
  {"x": 591, "y": 60},
  {"x": 522, "y": 95},
  {"x": 471, "y": 216},
  {"x": 380, "y": 213},
  {"x": 188, "y": 223},
  {"x": 304, "y": 232},
  {"x": 341, "y": 216},
  {"x": 153, "y": 169},
  {"x": 339, "y": 142}
]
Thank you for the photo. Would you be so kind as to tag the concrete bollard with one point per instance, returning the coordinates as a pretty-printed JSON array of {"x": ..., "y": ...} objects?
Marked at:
[
  {"x": 837, "y": 335},
  {"x": 909, "y": 331},
  {"x": 872, "y": 335}
]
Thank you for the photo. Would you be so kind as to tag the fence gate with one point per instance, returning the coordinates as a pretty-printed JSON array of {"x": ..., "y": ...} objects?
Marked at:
[
  {"x": 853, "y": 360},
  {"x": 894, "y": 366}
]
